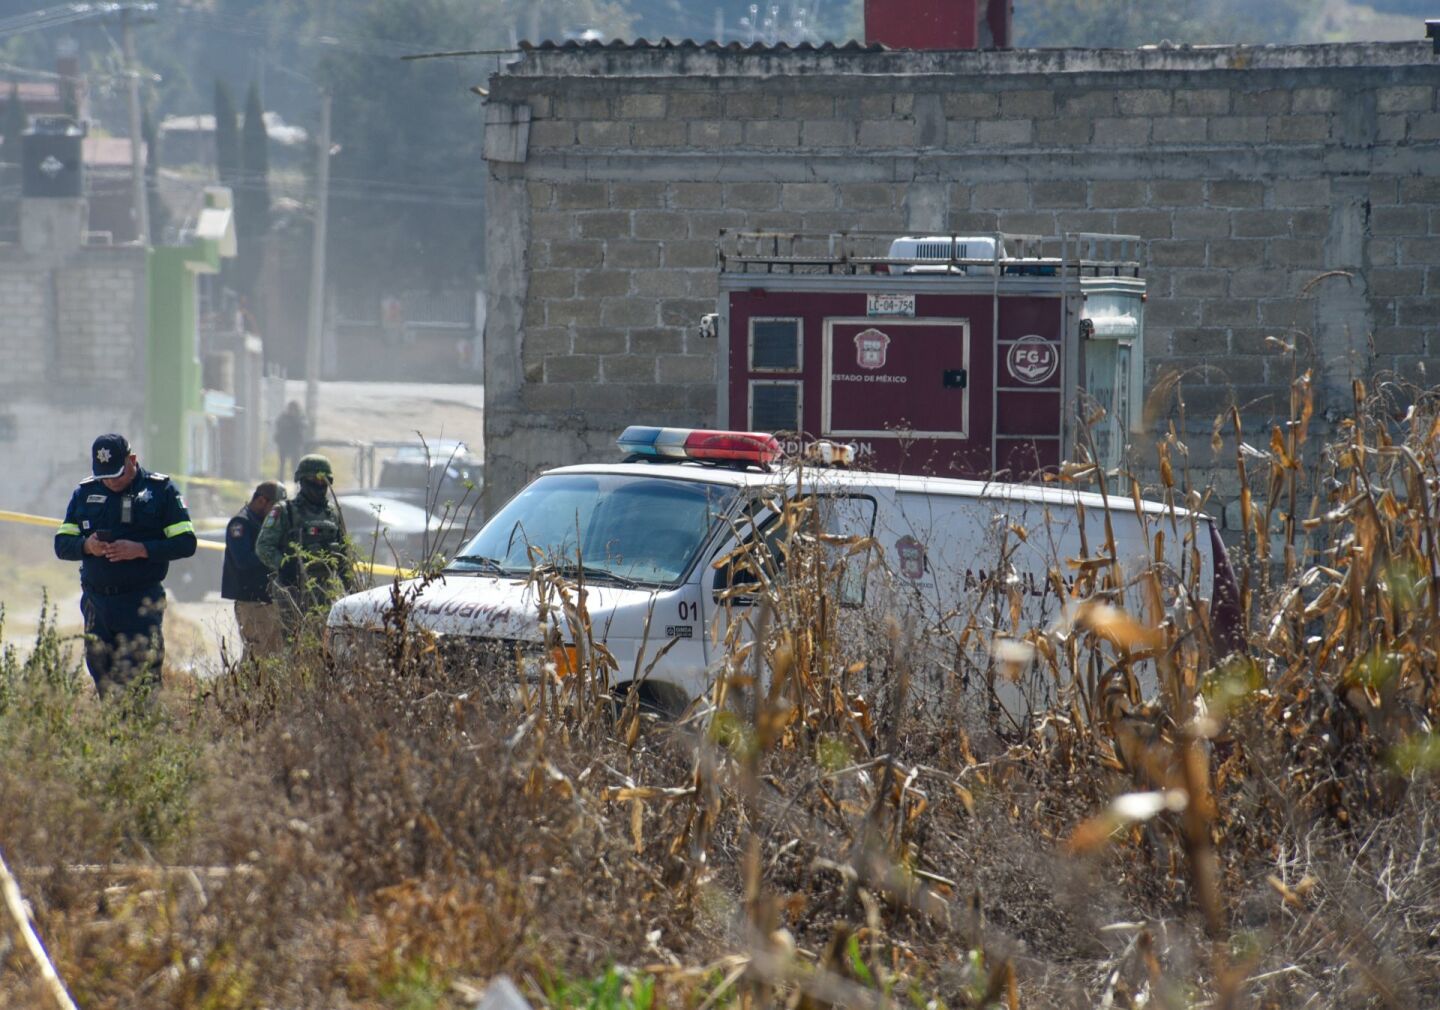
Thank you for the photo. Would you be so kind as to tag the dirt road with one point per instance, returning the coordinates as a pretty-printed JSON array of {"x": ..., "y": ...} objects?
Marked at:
[{"x": 194, "y": 632}]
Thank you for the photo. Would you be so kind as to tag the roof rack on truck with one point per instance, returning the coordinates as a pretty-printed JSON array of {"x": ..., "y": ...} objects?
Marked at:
[{"x": 992, "y": 254}]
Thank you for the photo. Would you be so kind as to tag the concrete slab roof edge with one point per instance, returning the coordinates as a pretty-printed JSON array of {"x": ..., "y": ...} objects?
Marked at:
[{"x": 670, "y": 59}]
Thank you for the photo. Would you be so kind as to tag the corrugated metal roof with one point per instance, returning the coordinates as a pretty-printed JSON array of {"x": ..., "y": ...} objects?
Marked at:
[{"x": 620, "y": 45}]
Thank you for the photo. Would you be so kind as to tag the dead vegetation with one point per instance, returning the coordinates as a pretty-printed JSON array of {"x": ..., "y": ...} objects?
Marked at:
[{"x": 1259, "y": 831}]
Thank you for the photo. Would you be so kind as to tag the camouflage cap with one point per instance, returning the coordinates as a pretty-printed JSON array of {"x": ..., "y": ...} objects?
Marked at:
[{"x": 314, "y": 465}]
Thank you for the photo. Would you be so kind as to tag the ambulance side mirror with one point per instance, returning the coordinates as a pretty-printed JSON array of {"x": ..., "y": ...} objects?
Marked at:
[
  {"x": 767, "y": 552},
  {"x": 710, "y": 326},
  {"x": 728, "y": 577}
]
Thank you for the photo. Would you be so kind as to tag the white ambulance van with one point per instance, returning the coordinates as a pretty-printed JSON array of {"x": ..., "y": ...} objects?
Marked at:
[{"x": 959, "y": 565}]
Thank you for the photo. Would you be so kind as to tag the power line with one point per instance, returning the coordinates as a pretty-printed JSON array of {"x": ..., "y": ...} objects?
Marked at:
[
  {"x": 20, "y": 24},
  {"x": 368, "y": 195},
  {"x": 55, "y": 17},
  {"x": 15, "y": 68},
  {"x": 364, "y": 183},
  {"x": 381, "y": 191},
  {"x": 425, "y": 201},
  {"x": 462, "y": 52},
  {"x": 363, "y": 45}
]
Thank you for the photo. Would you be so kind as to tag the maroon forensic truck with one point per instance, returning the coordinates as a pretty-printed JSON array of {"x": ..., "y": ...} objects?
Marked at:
[{"x": 954, "y": 356}]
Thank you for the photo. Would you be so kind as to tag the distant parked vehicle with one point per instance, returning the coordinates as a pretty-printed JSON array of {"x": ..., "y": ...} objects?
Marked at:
[
  {"x": 431, "y": 475},
  {"x": 428, "y": 473}
]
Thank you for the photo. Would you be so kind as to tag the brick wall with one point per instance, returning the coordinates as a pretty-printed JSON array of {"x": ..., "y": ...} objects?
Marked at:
[{"x": 1290, "y": 192}]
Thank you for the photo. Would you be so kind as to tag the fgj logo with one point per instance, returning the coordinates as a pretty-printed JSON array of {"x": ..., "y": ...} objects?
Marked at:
[
  {"x": 870, "y": 348},
  {"x": 1032, "y": 360},
  {"x": 912, "y": 558}
]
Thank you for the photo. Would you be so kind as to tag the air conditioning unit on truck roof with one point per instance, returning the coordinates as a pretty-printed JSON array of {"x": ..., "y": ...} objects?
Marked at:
[
  {"x": 947, "y": 355},
  {"x": 947, "y": 253}
]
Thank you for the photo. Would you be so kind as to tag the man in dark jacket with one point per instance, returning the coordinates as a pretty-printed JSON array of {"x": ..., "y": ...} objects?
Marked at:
[
  {"x": 124, "y": 525},
  {"x": 245, "y": 578}
]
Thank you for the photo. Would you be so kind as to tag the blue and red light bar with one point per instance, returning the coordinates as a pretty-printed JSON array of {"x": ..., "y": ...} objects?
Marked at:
[{"x": 756, "y": 447}]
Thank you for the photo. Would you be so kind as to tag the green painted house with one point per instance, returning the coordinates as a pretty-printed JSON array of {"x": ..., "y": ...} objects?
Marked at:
[{"x": 175, "y": 407}]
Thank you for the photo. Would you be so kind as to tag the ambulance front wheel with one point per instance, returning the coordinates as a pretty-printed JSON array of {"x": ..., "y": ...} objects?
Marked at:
[{"x": 654, "y": 698}]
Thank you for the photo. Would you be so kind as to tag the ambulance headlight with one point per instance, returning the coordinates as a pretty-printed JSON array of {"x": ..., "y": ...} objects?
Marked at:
[
  {"x": 350, "y": 646},
  {"x": 555, "y": 664}
]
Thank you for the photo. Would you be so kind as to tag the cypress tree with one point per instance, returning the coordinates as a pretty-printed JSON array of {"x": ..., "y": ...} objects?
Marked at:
[
  {"x": 70, "y": 97},
  {"x": 14, "y": 125},
  {"x": 254, "y": 217},
  {"x": 158, "y": 209},
  {"x": 227, "y": 137},
  {"x": 252, "y": 196}
]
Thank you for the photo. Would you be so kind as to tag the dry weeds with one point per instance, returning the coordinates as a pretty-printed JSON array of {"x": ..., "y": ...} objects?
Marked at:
[{"x": 1259, "y": 833}]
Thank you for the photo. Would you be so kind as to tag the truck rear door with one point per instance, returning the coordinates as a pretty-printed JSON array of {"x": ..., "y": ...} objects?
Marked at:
[{"x": 884, "y": 377}]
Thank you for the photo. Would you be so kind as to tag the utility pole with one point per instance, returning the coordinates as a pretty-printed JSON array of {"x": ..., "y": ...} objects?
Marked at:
[
  {"x": 317, "y": 268},
  {"x": 140, "y": 210}
]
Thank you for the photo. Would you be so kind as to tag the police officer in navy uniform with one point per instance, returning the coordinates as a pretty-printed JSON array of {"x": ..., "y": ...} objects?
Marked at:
[
  {"x": 246, "y": 580},
  {"x": 124, "y": 525}
]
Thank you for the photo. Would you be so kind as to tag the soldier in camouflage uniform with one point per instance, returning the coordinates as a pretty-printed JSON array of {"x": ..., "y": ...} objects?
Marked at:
[{"x": 304, "y": 544}]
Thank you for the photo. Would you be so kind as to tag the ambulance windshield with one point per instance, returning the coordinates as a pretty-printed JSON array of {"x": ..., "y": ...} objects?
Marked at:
[{"x": 643, "y": 530}]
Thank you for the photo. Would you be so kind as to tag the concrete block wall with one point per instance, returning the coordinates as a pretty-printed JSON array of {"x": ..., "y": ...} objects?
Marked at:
[
  {"x": 1285, "y": 193},
  {"x": 97, "y": 306},
  {"x": 23, "y": 343},
  {"x": 72, "y": 339}
]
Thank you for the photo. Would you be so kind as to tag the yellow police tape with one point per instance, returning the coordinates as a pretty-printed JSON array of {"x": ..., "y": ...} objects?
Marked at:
[
  {"x": 209, "y": 545},
  {"x": 21, "y": 517}
]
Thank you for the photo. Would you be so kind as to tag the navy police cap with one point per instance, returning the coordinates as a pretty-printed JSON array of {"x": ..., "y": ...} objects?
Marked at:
[{"x": 108, "y": 455}]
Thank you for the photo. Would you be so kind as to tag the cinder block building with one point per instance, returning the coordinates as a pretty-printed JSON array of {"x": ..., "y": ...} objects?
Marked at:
[
  {"x": 72, "y": 339},
  {"x": 1282, "y": 191},
  {"x": 101, "y": 337}
]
